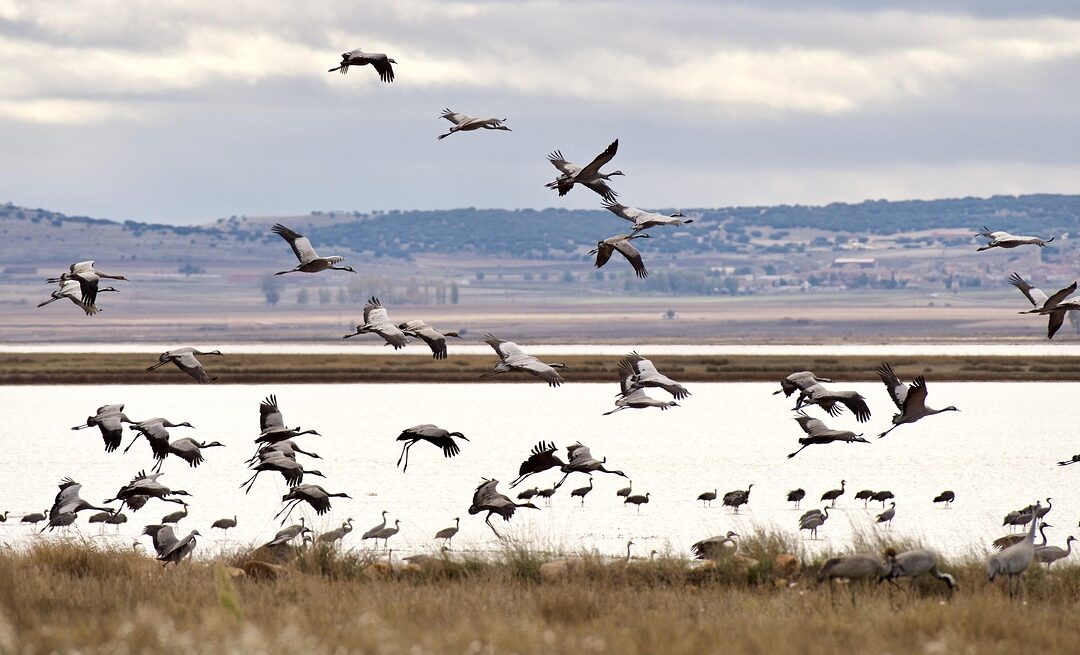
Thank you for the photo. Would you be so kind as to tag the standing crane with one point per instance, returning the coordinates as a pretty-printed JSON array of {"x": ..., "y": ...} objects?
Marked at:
[
  {"x": 737, "y": 498},
  {"x": 581, "y": 492},
  {"x": 447, "y": 534},
  {"x": 1014, "y": 560},
  {"x": 833, "y": 494}
]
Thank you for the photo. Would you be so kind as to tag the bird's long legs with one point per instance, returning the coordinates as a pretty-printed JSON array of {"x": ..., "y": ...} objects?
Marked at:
[
  {"x": 291, "y": 506},
  {"x": 889, "y": 430},
  {"x": 250, "y": 482},
  {"x": 405, "y": 455},
  {"x": 488, "y": 521},
  {"x": 133, "y": 440},
  {"x": 158, "y": 365},
  {"x": 796, "y": 453}
]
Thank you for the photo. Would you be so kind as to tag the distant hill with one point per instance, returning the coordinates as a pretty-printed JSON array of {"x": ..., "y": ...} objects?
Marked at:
[{"x": 526, "y": 234}]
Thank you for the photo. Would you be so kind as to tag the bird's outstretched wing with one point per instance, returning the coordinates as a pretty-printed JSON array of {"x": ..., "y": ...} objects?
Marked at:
[
  {"x": 565, "y": 167},
  {"x": 454, "y": 117},
  {"x": 301, "y": 246},
  {"x": 270, "y": 418},
  {"x": 374, "y": 312},
  {"x": 1034, "y": 295},
  {"x": 593, "y": 167},
  {"x": 898, "y": 391},
  {"x": 916, "y": 394},
  {"x": 633, "y": 256}
]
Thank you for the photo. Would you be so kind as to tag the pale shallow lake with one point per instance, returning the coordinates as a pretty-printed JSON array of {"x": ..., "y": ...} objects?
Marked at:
[
  {"x": 997, "y": 454},
  {"x": 372, "y": 345}
]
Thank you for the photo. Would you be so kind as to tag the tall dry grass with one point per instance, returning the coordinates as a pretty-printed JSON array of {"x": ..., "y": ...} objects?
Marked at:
[{"x": 79, "y": 597}]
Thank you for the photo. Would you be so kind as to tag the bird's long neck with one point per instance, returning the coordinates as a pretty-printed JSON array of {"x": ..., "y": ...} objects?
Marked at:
[
  {"x": 1042, "y": 531},
  {"x": 627, "y": 551},
  {"x": 1034, "y": 523}
]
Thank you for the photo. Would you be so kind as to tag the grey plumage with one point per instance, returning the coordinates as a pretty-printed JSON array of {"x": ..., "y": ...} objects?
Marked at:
[
  {"x": 377, "y": 60},
  {"x": 377, "y": 321},
  {"x": 185, "y": 359},
  {"x": 512, "y": 358}
]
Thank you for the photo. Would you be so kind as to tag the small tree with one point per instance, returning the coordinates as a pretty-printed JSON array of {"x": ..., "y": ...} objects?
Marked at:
[
  {"x": 324, "y": 296},
  {"x": 271, "y": 291},
  {"x": 303, "y": 297},
  {"x": 455, "y": 294}
]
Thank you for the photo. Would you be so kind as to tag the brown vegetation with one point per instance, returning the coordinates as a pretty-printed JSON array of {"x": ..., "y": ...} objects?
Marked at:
[
  {"x": 127, "y": 368},
  {"x": 63, "y": 597}
]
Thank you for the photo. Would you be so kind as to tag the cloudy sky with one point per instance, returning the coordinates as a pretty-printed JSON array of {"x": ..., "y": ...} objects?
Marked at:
[{"x": 183, "y": 111}]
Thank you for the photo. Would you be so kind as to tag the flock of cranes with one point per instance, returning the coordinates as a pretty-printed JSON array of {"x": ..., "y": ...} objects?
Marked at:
[{"x": 277, "y": 451}]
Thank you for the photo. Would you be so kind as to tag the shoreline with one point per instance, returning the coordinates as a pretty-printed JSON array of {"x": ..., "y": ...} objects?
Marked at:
[{"x": 128, "y": 368}]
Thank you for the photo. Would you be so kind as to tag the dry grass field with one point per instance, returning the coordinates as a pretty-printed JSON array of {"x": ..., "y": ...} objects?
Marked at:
[
  {"x": 76, "y": 597},
  {"x": 128, "y": 368}
]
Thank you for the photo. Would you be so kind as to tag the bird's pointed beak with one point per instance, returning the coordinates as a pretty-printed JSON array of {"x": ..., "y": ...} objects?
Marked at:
[{"x": 465, "y": 438}]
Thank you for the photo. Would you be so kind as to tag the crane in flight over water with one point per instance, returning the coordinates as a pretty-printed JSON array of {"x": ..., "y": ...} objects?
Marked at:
[
  {"x": 434, "y": 435},
  {"x": 635, "y": 398},
  {"x": 377, "y": 321},
  {"x": 818, "y": 433},
  {"x": 797, "y": 382},
  {"x": 185, "y": 360},
  {"x": 487, "y": 498},
  {"x": 110, "y": 420},
  {"x": 909, "y": 399},
  {"x": 1054, "y": 306},
  {"x": 512, "y": 358}
]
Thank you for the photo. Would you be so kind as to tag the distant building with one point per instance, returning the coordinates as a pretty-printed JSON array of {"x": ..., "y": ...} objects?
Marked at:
[{"x": 855, "y": 262}]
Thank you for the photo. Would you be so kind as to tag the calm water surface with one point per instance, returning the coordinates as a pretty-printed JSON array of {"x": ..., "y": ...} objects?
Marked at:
[
  {"x": 997, "y": 454},
  {"x": 473, "y": 346}
]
